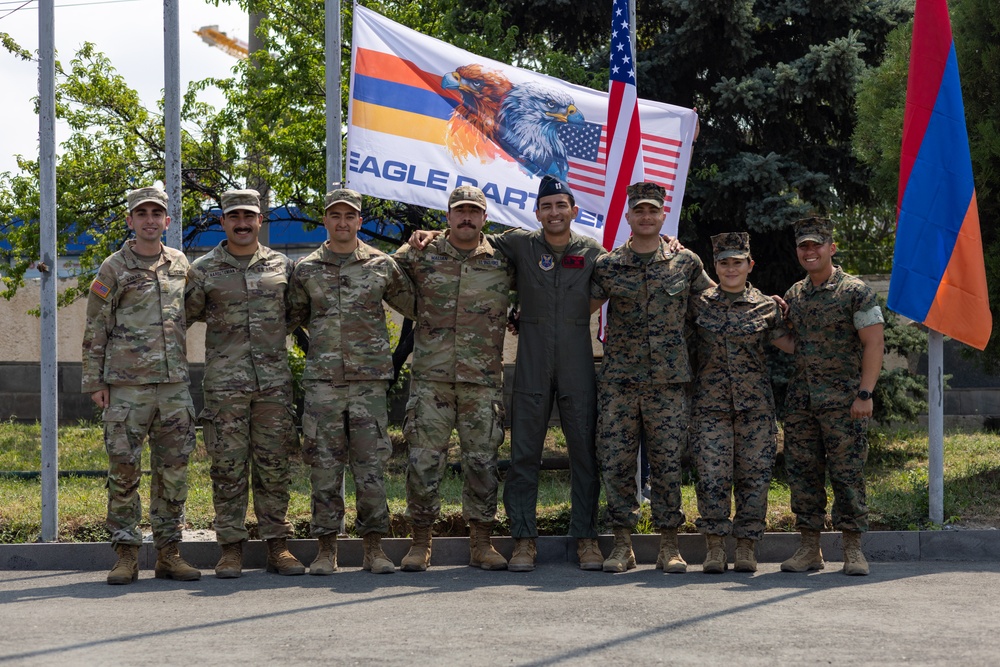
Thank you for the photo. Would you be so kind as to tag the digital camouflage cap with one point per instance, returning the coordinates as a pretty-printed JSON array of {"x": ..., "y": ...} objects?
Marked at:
[
  {"x": 731, "y": 244},
  {"x": 240, "y": 200},
  {"x": 343, "y": 195},
  {"x": 817, "y": 230},
  {"x": 645, "y": 192},
  {"x": 467, "y": 194},
  {"x": 144, "y": 195}
]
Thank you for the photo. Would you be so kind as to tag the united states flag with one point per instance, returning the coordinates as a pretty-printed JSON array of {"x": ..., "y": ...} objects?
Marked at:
[{"x": 587, "y": 144}]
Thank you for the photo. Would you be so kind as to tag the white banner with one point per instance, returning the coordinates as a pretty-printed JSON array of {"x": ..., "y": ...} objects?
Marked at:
[{"x": 426, "y": 117}]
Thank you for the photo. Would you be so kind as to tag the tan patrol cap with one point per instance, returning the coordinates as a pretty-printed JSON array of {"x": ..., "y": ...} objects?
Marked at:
[
  {"x": 730, "y": 244},
  {"x": 343, "y": 195},
  {"x": 815, "y": 229},
  {"x": 646, "y": 193},
  {"x": 144, "y": 195},
  {"x": 467, "y": 194},
  {"x": 240, "y": 200}
]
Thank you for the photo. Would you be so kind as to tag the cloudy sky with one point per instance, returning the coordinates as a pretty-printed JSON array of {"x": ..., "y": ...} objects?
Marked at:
[{"x": 129, "y": 32}]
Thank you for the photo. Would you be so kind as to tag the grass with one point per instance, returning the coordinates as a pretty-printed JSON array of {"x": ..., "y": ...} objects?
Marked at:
[{"x": 897, "y": 487}]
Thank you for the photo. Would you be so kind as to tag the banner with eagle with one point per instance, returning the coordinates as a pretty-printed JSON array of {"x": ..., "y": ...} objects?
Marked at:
[{"x": 426, "y": 117}]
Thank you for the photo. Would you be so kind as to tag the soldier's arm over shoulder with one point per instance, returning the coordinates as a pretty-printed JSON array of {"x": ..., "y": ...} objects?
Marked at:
[
  {"x": 194, "y": 295},
  {"x": 399, "y": 292},
  {"x": 698, "y": 277},
  {"x": 505, "y": 242}
]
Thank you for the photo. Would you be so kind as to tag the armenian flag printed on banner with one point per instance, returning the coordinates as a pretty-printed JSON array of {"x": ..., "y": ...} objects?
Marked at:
[{"x": 426, "y": 117}]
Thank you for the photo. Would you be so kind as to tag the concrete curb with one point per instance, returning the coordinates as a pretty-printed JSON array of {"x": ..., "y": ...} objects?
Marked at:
[{"x": 945, "y": 545}]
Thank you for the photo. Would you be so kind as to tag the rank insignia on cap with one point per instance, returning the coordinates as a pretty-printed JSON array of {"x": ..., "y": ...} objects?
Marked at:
[
  {"x": 100, "y": 289},
  {"x": 547, "y": 262}
]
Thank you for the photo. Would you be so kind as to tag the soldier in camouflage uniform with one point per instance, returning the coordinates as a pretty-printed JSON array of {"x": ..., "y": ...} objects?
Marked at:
[
  {"x": 641, "y": 381},
  {"x": 337, "y": 293},
  {"x": 239, "y": 290},
  {"x": 838, "y": 329},
  {"x": 135, "y": 368},
  {"x": 733, "y": 427},
  {"x": 463, "y": 288}
]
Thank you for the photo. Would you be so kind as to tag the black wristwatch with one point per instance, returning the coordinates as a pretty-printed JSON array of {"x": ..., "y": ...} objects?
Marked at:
[{"x": 864, "y": 395}]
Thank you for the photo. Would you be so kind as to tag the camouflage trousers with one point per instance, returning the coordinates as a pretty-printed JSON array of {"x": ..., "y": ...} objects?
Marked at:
[
  {"x": 165, "y": 413},
  {"x": 346, "y": 423},
  {"x": 433, "y": 410},
  {"x": 734, "y": 454},
  {"x": 250, "y": 435},
  {"x": 824, "y": 441},
  {"x": 660, "y": 412}
]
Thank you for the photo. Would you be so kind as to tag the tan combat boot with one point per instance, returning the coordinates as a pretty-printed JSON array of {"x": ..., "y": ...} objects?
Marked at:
[
  {"x": 230, "y": 565},
  {"x": 745, "y": 559},
  {"x": 622, "y": 558},
  {"x": 854, "y": 560},
  {"x": 418, "y": 558},
  {"x": 523, "y": 558},
  {"x": 126, "y": 570},
  {"x": 170, "y": 565},
  {"x": 808, "y": 556},
  {"x": 481, "y": 551},
  {"x": 669, "y": 559},
  {"x": 281, "y": 560},
  {"x": 715, "y": 555},
  {"x": 588, "y": 551},
  {"x": 326, "y": 557},
  {"x": 375, "y": 560}
]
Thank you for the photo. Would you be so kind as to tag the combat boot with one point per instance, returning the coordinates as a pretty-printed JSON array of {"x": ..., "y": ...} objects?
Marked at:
[
  {"x": 326, "y": 557},
  {"x": 854, "y": 560},
  {"x": 622, "y": 558},
  {"x": 523, "y": 558},
  {"x": 481, "y": 551},
  {"x": 808, "y": 556},
  {"x": 375, "y": 560},
  {"x": 715, "y": 555},
  {"x": 418, "y": 558},
  {"x": 126, "y": 570},
  {"x": 588, "y": 551},
  {"x": 745, "y": 559},
  {"x": 230, "y": 565},
  {"x": 281, "y": 560},
  {"x": 170, "y": 565},
  {"x": 669, "y": 559}
]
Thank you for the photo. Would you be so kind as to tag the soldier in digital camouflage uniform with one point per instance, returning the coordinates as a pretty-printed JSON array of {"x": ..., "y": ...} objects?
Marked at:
[
  {"x": 838, "y": 330},
  {"x": 641, "y": 380},
  {"x": 239, "y": 290},
  {"x": 135, "y": 368},
  {"x": 337, "y": 293},
  {"x": 733, "y": 427},
  {"x": 462, "y": 286}
]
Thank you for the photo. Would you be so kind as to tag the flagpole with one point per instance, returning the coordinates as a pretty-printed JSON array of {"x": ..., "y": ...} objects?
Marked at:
[
  {"x": 333, "y": 111},
  {"x": 935, "y": 425}
]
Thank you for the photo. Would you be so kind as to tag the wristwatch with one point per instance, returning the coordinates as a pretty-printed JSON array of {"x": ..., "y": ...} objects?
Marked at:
[{"x": 864, "y": 395}]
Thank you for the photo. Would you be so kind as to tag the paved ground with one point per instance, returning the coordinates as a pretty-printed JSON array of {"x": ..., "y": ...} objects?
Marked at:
[{"x": 925, "y": 613}]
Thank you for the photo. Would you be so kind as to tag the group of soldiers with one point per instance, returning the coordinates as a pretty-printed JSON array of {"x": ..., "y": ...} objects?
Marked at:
[{"x": 456, "y": 286}]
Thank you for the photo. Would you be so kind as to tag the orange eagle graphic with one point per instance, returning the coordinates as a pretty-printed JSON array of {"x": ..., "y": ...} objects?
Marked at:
[{"x": 473, "y": 129}]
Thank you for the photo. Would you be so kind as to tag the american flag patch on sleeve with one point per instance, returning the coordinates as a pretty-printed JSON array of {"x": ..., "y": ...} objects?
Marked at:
[{"x": 100, "y": 289}]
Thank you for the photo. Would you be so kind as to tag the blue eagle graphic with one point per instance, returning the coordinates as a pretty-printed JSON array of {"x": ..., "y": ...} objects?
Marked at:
[{"x": 529, "y": 128}]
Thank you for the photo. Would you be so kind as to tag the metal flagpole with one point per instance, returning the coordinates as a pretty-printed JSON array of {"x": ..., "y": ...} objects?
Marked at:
[
  {"x": 49, "y": 268},
  {"x": 334, "y": 121},
  {"x": 172, "y": 118},
  {"x": 935, "y": 425}
]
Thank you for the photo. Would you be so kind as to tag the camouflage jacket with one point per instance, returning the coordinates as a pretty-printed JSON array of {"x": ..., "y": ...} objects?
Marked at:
[
  {"x": 341, "y": 305},
  {"x": 135, "y": 321},
  {"x": 645, "y": 334},
  {"x": 244, "y": 310},
  {"x": 825, "y": 321},
  {"x": 731, "y": 371},
  {"x": 461, "y": 311}
]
